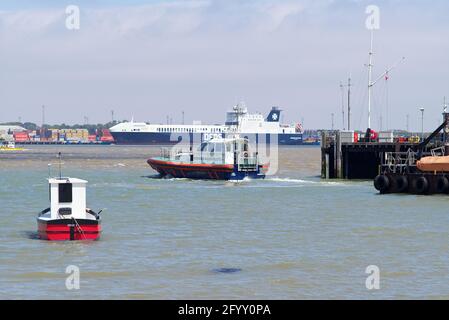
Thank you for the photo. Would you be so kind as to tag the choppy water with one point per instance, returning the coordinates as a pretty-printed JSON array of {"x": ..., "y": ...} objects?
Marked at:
[{"x": 292, "y": 236}]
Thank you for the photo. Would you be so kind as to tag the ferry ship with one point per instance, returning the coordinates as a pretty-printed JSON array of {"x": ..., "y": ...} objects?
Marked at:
[{"x": 238, "y": 121}]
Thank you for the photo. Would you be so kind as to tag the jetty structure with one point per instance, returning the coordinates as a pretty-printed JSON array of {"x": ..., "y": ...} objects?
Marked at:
[
  {"x": 348, "y": 154},
  {"x": 417, "y": 173}
]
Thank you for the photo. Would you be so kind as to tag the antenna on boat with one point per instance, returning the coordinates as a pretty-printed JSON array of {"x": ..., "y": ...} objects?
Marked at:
[{"x": 60, "y": 171}]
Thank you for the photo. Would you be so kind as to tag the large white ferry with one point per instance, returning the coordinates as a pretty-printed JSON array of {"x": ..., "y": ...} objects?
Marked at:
[{"x": 238, "y": 121}]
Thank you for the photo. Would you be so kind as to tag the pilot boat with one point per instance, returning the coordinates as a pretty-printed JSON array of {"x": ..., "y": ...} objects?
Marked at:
[
  {"x": 68, "y": 218},
  {"x": 218, "y": 158}
]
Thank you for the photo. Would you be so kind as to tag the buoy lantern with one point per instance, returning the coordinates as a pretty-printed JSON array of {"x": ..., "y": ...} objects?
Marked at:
[{"x": 68, "y": 218}]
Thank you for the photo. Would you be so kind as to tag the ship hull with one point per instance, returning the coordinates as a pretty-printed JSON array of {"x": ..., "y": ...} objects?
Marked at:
[
  {"x": 200, "y": 171},
  {"x": 158, "y": 138},
  {"x": 67, "y": 229},
  {"x": 191, "y": 171}
]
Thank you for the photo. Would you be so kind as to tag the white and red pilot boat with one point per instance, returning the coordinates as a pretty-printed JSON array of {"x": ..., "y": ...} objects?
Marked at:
[
  {"x": 68, "y": 218},
  {"x": 218, "y": 159}
]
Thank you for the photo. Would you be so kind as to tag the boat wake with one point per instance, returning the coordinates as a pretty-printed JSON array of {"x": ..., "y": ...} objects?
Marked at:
[
  {"x": 302, "y": 182},
  {"x": 267, "y": 182},
  {"x": 290, "y": 180}
]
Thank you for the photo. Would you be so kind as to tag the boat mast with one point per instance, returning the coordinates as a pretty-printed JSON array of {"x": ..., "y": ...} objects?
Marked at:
[
  {"x": 370, "y": 73},
  {"x": 349, "y": 102},
  {"x": 342, "y": 104},
  {"x": 371, "y": 83}
]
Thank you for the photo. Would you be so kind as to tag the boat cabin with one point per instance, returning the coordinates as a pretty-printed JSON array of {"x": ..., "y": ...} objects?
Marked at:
[
  {"x": 216, "y": 151},
  {"x": 68, "y": 199}
]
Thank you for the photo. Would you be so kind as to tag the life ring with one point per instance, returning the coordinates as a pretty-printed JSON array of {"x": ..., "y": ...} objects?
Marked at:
[
  {"x": 421, "y": 185},
  {"x": 382, "y": 183},
  {"x": 402, "y": 183},
  {"x": 245, "y": 154},
  {"x": 442, "y": 184}
]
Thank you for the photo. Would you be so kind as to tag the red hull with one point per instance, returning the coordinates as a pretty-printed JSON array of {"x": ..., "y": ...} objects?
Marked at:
[
  {"x": 67, "y": 229},
  {"x": 192, "y": 170}
]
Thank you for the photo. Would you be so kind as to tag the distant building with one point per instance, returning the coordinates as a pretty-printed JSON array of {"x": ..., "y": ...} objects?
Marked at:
[{"x": 7, "y": 131}]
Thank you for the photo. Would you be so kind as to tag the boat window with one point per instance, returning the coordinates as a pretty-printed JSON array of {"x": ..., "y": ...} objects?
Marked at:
[{"x": 65, "y": 192}]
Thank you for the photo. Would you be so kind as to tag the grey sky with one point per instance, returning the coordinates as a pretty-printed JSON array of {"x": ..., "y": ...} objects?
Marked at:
[{"x": 150, "y": 59}]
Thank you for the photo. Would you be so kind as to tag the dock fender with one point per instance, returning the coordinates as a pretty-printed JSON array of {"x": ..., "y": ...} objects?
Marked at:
[
  {"x": 402, "y": 183},
  {"x": 382, "y": 183},
  {"x": 421, "y": 184},
  {"x": 442, "y": 184}
]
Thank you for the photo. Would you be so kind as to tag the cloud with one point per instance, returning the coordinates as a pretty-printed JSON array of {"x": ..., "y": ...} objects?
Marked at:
[
  {"x": 18, "y": 23},
  {"x": 156, "y": 58},
  {"x": 159, "y": 17},
  {"x": 170, "y": 17},
  {"x": 270, "y": 15}
]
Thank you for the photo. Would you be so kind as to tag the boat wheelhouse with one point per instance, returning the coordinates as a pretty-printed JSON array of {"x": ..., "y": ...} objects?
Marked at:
[{"x": 68, "y": 218}]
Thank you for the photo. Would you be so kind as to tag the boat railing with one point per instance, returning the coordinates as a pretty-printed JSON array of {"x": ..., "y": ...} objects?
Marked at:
[
  {"x": 247, "y": 162},
  {"x": 399, "y": 162},
  {"x": 193, "y": 156},
  {"x": 436, "y": 152},
  {"x": 210, "y": 158},
  {"x": 171, "y": 153},
  {"x": 165, "y": 153}
]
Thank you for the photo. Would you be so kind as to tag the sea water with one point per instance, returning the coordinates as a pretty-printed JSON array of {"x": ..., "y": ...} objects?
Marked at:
[{"x": 290, "y": 236}]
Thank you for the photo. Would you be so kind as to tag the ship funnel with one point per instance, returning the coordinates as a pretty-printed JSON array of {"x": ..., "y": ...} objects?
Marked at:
[{"x": 274, "y": 114}]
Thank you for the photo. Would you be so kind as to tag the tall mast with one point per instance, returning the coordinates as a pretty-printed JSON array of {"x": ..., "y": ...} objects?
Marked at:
[
  {"x": 370, "y": 82},
  {"x": 349, "y": 102},
  {"x": 43, "y": 121},
  {"x": 342, "y": 105}
]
